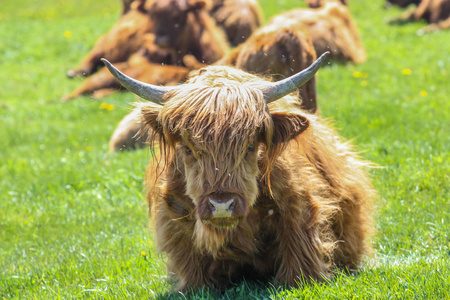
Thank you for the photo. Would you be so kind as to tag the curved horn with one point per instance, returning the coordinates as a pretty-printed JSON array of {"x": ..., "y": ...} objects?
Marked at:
[
  {"x": 275, "y": 90},
  {"x": 144, "y": 90}
]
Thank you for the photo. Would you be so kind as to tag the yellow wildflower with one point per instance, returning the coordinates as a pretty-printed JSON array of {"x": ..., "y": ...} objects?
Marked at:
[
  {"x": 423, "y": 93},
  {"x": 67, "y": 34},
  {"x": 364, "y": 83},
  {"x": 143, "y": 254},
  {"x": 406, "y": 71},
  {"x": 110, "y": 107},
  {"x": 357, "y": 74},
  {"x": 88, "y": 148}
]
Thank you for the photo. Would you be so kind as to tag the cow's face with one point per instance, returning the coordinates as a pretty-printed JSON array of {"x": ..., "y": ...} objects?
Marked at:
[
  {"x": 221, "y": 180},
  {"x": 221, "y": 134},
  {"x": 170, "y": 18}
]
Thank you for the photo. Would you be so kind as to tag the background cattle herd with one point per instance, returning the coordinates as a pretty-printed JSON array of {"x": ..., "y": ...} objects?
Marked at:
[{"x": 161, "y": 41}]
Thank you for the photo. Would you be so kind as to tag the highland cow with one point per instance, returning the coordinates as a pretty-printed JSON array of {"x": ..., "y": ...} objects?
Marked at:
[
  {"x": 247, "y": 184},
  {"x": 125, "y": 38},
  {"x": 185, "y": 27},
  {"x": 238, "y": 18},
  {"x": 331, "y": 28},
  {"x": 279, "y": 52},
  {"x": 435, "y": 12}
]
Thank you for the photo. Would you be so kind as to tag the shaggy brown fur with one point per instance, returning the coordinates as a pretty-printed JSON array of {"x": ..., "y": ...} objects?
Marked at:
[
  {"x": 331, "y": 28},
  {"x": 279, "y": 52},
  {"x": 302, "y": 200},
  {"x": 138, "y": 66},
  {"x": 239, "y": 18},
  {"x": 434, "y": 12},
  {"x": 185, "y": 27},
  {"x": 125, "y": 38},
  {"x": 125, "y": 136}
]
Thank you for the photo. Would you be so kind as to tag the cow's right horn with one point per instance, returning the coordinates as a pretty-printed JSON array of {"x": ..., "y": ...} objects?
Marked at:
[{"x": 144, "y": 90}]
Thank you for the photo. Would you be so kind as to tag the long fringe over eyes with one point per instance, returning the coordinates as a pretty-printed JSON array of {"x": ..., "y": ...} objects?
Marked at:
[{"x": 218, "y": 111}]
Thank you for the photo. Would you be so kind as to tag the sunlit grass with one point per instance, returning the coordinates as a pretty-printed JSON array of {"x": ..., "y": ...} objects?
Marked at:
[{"x": 73, "y": 219}]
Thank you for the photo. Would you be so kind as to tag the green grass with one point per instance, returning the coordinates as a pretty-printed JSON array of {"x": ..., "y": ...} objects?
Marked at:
[{"x": 73, "y": 219}]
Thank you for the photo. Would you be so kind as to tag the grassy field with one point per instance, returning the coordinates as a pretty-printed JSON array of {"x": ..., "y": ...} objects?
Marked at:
[{"x": 73, "y": 219}]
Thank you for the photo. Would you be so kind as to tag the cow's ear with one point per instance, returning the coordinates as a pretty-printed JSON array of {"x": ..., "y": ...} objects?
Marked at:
[
  {"x": 149, "y": 115},
  {"x": 287, "y": 126}
]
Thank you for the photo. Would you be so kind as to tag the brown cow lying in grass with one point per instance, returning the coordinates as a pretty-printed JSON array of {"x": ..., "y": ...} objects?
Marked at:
[
  {"x": 247, "y": 184},
  {"x": 239, "y": 18},
  {"x": 435, "y": 12},
  {"x": 179, "y": 26},
  {"x": 185, "y": 27},
  {"x": 331, "y": 28},
  {"x": 125, "y": 38},
  {"x": 278, "y": 52}
]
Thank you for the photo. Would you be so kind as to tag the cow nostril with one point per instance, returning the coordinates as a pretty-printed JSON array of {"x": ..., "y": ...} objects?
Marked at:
[
  {"x": 232, "y": 205},
  {"x": 211, "y": 206}
]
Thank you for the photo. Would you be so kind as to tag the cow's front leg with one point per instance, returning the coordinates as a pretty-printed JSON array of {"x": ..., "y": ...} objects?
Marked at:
[{"x": 302, "y": 254}]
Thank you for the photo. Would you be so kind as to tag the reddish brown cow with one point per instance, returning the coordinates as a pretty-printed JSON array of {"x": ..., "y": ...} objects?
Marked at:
[
  {"x": 279, "y": 52},
  {"x": 125, "y": 38},
  {"x": 331, "y": 28},
  {"x": 185, "y": 27},
  {"x": 239, "y": 18},
  {"x": 248, "y": 184},
  {"x": 434, "y": 12}
]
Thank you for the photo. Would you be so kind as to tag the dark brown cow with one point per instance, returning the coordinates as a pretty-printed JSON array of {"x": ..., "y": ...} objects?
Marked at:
[
  {"x": 248, "y": 184},
  {"x": 434, "y": 12},
  {"x": 185, "y": 27},
  {"x": 279, "y": 52},
  {"x": 239, "y": 18},
  {"x": 331, "y": 28},
  {"x": 125, "y": 38}
]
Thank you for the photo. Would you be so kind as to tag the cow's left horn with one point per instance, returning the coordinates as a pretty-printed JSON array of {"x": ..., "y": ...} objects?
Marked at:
[
  {"x": 144, "y": 90},
  {"x": 275, "y": 90}
]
